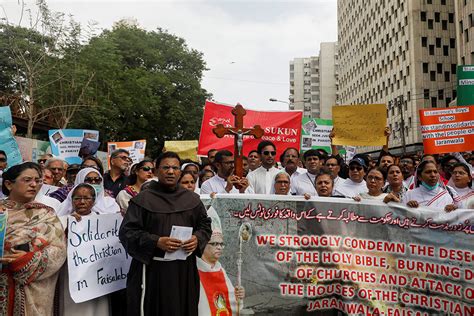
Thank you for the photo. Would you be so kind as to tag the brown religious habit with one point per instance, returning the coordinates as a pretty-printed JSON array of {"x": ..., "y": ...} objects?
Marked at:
[{"x": 238, "y": 131}]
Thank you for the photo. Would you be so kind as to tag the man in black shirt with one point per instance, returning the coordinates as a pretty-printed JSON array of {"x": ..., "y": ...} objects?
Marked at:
[{"x": 115, "y": 179}]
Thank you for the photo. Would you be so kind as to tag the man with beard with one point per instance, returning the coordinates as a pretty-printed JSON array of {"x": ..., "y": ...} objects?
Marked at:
[
  {"x": 224, "y": 181},
  {"x": 407, "y": 166},
  {"x": 157, "y": 285},
  {"x": 261, "y": 179},
  {"x": 254, "y": 160},
  {"x": 305, "y": 183},
  {"x": 115, "y": 179},
  {"x": 289, "y": 160},
  {"x": 333, "y": 164}
]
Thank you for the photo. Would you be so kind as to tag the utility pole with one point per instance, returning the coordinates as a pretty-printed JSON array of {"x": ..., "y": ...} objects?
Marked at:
[{"x": 400, "y": 102}]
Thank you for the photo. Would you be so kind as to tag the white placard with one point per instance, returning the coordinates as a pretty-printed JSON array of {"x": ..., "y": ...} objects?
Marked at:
[{"x": 97, "y": 262}]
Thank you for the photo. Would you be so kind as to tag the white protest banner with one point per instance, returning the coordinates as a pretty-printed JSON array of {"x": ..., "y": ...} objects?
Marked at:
[{"x": 97, "y": 262}]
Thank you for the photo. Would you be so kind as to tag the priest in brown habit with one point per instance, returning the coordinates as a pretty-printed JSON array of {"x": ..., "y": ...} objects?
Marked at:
[{"x": 156, "y": 286}]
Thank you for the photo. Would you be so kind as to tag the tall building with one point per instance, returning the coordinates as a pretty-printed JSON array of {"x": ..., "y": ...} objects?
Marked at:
[
  {"x": 401, "y": 53},
  {"x": 304, "y": 85},
  {"x": 464, "y": 10},
  {"x": 313, "y": 82},
  {"x": 328, "y": 83}
]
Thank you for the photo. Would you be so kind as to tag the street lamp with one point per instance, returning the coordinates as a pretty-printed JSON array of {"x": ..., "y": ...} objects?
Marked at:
[{"x": 275, "y": 100}]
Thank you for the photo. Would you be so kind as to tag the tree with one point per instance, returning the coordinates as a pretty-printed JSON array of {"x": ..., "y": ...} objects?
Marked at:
[
  {"x": 146, "y": 85},
  {"x": 38, "y": 66}
]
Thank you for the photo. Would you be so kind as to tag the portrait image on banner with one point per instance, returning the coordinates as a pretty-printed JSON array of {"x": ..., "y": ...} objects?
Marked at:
[
  {"x": 447, "y": 130},
  {"x": 283, "y": 128},
  {"x": 66, "y": 143},
  {"x": 359, "y": 125}
]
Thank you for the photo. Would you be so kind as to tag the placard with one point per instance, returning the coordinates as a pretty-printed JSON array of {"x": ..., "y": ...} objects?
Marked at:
[
  {"x": 7, "y": 142},
  {"x": 97, "y": 262},
  {"x": 136, "y": 148},
  {"x": 186, "y": 149},
  {"x": 66, "y": 143},
  {"x": 447, "y": 130},
  {"x": 315, "y": 134},
  {"x": 359, "y": 125}
]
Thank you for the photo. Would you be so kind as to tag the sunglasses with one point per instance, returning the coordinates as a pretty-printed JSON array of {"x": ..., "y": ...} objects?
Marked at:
[
  {"x": 40, "y": 161},
  {"x": 93, "y": 180},
  {"x": 268, "y": 153},
  {"x": 358, "y": 168},
  {"x": 147, "y": 169}
]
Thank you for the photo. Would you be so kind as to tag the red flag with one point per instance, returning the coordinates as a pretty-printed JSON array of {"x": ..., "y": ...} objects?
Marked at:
[{"x": 282, "y": 128}]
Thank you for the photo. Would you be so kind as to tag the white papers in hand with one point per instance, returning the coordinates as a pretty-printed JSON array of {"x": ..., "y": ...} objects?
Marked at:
[{"x": 182, "y": 233}]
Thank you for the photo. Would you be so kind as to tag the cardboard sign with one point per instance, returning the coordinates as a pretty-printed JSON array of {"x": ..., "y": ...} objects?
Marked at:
[
  {"x": 447, "y": 130},
  {"x": 97, "y": 262},
  {"x": 186, "y": 149},
  {"x": 360, "y": 125}
]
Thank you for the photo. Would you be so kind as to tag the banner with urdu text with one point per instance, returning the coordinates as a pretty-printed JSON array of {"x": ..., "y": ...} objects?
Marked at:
[
  {"x": 282, "y": 128},
  {"x": 366, "y": 258}
]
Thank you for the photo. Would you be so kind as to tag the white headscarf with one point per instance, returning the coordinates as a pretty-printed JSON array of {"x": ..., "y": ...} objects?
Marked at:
[
  {"x": 103, "y": 204},
  {"x": 272, "y": 191}
]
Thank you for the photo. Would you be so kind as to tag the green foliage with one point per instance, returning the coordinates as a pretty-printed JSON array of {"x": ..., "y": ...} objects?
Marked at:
[{"x": 146, "y": 85}]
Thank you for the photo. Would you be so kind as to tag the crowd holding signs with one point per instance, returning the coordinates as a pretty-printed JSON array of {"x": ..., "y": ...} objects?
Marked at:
[{"x": 238, "y": 233}]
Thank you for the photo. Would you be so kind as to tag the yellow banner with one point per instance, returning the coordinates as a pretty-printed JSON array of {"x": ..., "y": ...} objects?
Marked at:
[
  {"x": 359, "y": 125},
  {"x": 186, "y": 149}
]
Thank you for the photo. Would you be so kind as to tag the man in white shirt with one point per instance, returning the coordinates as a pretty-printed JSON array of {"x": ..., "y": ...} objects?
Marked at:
[
  {"x": 261, "y": 179},
  {"x": 355, "y": 184},
  {"x": 407, "y": 166},
  {"x": 305, "y": 183},
  {"x": 333, "y": 164},
  {"x": 289, "y": 160},
  {"x": 224, "y": 181}
]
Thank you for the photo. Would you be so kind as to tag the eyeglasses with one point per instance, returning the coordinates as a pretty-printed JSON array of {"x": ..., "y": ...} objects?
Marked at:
[
  {"x": 40, "y": 161},
  {"x": 332, "y": 165},
  {"x": 29, "y": 180},
  {"x": 166, "y": 168},
  {"x": 358, "y": 168},
  {"x": 58, "y": 169},
  {"x": 406, "y": 161},
  {"x": 3, "y": 159},
  {"x": 283, "y": 182},
  {"x": 124, "y": 158},
  {"x": 82, "y": 198},
  {"x": 147, "y": 169},
  {"x": 372, "y": 178},
  {"x": 93, "y": 180},
  {"x": 268, "y": 153},
  {"x": 461, "y": 173},
  {"x": 215, "y": 244}
]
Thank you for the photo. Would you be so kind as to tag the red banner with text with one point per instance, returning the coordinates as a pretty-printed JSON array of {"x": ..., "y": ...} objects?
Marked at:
[
  {"x": 282, "y": 128},
  {"x": 447, "y": 130}
]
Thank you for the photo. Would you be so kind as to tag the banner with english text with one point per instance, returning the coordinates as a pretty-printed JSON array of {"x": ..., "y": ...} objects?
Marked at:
[
  {"x": 362, "y": 258},
  {"x": 282, "y": 128}
]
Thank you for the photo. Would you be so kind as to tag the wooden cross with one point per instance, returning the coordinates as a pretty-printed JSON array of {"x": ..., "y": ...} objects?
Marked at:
[{"x": 238, "y": 131}]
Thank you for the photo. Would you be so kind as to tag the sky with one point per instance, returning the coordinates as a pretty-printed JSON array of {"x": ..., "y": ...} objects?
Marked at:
[{"x": 247, "y": 45}]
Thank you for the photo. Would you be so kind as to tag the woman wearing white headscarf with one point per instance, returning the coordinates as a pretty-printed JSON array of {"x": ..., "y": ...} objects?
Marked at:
[
  {"x": 103, "y": 204},
  {"x": 281, "y": 184}
]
